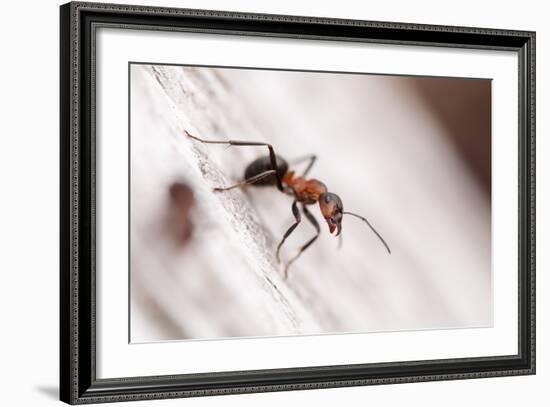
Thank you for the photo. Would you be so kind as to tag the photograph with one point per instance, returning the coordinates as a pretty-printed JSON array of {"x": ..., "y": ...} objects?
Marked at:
[{"x": 269, "y": 202}]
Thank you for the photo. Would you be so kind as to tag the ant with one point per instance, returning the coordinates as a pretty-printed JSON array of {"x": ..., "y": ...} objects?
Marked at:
[{"x": 273, "y": 170}]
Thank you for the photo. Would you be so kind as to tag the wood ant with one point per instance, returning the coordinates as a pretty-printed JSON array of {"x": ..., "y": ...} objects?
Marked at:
[{"x": 273, "y": 170}]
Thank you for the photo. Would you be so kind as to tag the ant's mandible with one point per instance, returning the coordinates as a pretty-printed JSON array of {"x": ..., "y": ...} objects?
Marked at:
[{"x": 272, "y": 170}]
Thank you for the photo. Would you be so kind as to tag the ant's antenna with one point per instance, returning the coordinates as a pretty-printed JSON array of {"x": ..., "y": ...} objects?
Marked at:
[{"x": 373, "y": 229}]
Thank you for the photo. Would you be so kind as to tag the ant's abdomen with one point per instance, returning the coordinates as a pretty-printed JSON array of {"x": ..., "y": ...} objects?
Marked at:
[{"x": 263, "y": 164}]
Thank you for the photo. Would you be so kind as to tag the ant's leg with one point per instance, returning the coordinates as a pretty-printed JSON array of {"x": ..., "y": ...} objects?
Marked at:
[
  {"x": 248, "y": 181},
  {"x": 315, "y": 224},
  {"x": 272, "y": 158},
  {"x": 298, "y": 218},
  {"x": 312, "y": 158}
]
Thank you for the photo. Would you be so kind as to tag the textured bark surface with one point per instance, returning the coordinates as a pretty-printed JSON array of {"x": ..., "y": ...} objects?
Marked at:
[{"x": 202, "y": 263}]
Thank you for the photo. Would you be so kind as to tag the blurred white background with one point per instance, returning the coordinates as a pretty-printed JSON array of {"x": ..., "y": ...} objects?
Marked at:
[
  {"x": 412, "y": 154},
  {"x": 29, "y": 169}
]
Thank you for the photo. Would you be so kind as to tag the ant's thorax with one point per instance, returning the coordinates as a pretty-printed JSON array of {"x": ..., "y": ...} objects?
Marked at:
[{"x": 306, "y": 191}]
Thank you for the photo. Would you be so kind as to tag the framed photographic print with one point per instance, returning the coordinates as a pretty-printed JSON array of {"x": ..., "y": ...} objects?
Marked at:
[{"x": 255, "y": 203}]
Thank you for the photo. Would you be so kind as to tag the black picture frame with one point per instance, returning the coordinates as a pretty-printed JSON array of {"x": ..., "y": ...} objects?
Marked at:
[{"x": 78, "y": 382}]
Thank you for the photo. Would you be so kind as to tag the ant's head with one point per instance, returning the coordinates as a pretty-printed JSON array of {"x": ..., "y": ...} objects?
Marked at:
[{"x": 332, "y": 210}]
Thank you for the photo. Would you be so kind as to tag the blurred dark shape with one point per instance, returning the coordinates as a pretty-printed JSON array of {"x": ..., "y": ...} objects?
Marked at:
[
  {"x": 178, "y": 221},
  {"x": 463, "y": 106}
]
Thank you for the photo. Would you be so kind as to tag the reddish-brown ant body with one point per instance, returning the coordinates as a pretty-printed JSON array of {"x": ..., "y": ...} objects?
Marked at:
[{"x": 273, "y": 170}]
